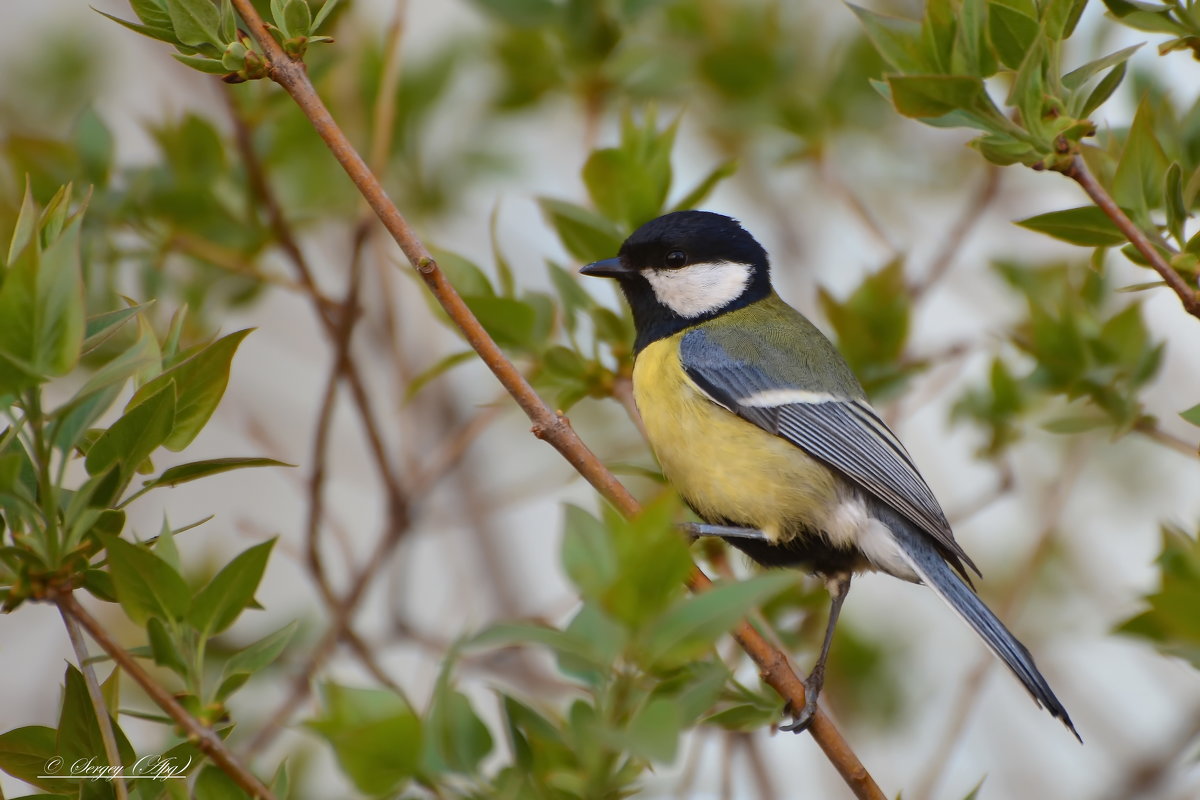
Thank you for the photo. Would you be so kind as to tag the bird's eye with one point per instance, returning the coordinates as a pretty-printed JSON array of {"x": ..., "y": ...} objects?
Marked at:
[{"x": 676, "y": 259}]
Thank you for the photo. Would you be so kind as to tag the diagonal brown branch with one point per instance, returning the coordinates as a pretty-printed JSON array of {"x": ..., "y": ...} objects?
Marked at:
[
  {"x": 546, "y": 424},
  {"x": 203, "y": 737},
  {"x": 1077, "y": 170}
]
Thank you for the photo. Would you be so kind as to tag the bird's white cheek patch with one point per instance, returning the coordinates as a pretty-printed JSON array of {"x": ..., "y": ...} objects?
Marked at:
[{"x": 699, "y": 288}]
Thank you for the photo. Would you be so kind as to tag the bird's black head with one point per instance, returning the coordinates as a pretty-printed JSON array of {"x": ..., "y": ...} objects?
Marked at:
[{"x": 684, "y": 268}]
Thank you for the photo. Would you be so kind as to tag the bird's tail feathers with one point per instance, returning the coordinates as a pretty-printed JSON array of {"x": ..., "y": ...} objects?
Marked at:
[{"x": 923, "y": 557}]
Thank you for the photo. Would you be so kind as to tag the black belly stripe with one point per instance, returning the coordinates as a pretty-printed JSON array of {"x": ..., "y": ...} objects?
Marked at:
[{"x": 805, "y": 550}]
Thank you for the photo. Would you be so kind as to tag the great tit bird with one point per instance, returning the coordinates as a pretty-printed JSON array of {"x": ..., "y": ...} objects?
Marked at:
[{"x": 761, "y": 426}]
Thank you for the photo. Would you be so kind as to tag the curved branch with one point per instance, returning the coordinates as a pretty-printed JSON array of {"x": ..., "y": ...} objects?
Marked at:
[
  {"x": 547, "y": 425},
  {"x": 1077, "y": 170}
]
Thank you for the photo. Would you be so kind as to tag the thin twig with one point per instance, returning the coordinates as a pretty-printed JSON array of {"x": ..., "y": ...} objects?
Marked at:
[
  {"x": 752, "y": 747},
  {"x": 103, "y": 719},
  {"x": 454, "y": 447},
  {"x": 321, "y": 435},
  {"x": 971, "y": 216},
  {"x": 832, "y": 178},
  {"x": 546, "y": 424},
  {"x": 1147, "y": 773},
  {"x": 383, "y": 122},
  {"x": 1151, "y": 431},
  {"x": 1076, "y": 169},
  {"x": 398, "y": 515},
  {"x": 281, "y": 229},
  {"x": 204, "y": 738}
]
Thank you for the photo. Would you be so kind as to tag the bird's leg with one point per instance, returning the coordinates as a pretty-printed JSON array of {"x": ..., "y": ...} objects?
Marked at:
[
  {"x": 697, "y": 529},
  {"x": 839, "y": 587}
]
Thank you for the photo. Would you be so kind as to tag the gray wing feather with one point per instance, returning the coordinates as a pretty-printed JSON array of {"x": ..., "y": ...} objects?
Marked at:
[{"x": 844, "y": 433}]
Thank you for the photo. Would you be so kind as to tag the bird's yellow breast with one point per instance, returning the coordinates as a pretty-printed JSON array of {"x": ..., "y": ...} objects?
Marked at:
[{"x": 727, "y": 469}]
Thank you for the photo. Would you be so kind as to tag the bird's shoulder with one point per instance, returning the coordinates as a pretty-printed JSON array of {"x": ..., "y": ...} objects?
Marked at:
[{"x": 775, "y": 341}]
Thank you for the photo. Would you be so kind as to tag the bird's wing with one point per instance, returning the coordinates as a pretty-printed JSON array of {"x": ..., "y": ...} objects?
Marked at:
[{"x": 843, "y": 432}]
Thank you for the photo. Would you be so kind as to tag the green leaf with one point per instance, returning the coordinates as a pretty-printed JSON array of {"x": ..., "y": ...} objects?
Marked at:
[
  {"x": 454, "y": 738},
  {"x": 693, "y": 625},
  {"x": 652, "y": 563},
  {"x": 563, "y": 643},
  {"x": 137, "y": 434},
  {"x": 94, "y": 142},
  {"x": 78, "y": 724},
  {"x": 1029, "y": 90},
  {"x": 375, "y": 736},
  {"x": 1059, "y": 17},
  {"x": 1177, "y": 212},
  {"x": 1004, "y": 150},
  {"x": 195, "y": 22},
  {"x": 203, "y": 469},
  {"x": 24, "y": 753},
  {"x": 297, "y": 18},
  {"x": 605, "y": 639},
  {"x": 209, "y": 66},
  {"x": 1076, "y": 78},
  {"x": 1104, "y": 90},
  {"x": 261, "y": 654},
  {"x": 974, "y": 793},
  {"x": 440, "y": 367},
  {"x": 934, "y": 95},
  {"x": 41, "y": 309},
  {"x": 1153, "y": 17},
  {"x": 654, "y": 731},
  {"x": 973, "y": 53},
  {"x": 214, "y": 784},
  {"x": 27, "y": 218},
  {"x": 629, "y": 183},
  {"x": 898, "y": 41},
  {"x": 584, "y": 234},
  {"x": 509, "y": 321},
  {"x": 1012, "y": 32},
  {"x": 252, "y": 659},
  {"x": 163, "y": 648},
  {"x": 227, "y": 28},
  {"x": 704, "y": 188},
  {"x": 587, "y": 553},
  {"x": 200, "y": 382},
  {"x": 1075, "y": 424},
  {"x": 161, "y": 33},
  {"x": 72, "y": 419},
  {"x": 100, "y": 328},
  {"x": 1171, "y": 621},
  {"x": 326, "y": 8},
  {"x": 229, "y": 592},
  {"x": 146, "y": 585},
  {"x": 573, "y": 297},
  {"x": 504, "y": 273},
  {"x": 1192, "y": 415},
  {"x": 695, "y": 688},
  {"x": 151, "y": 12},
  {"x": 872, "y": 327},
  {"x": 744, "y": 717},
  {"x": 100, "y": 585},
  {"x": 1087, "y": 226},
  {"x": 1138, "y": 182}
]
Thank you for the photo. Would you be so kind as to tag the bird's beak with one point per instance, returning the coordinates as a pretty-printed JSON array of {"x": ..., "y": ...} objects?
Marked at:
[{"x": 608, "y": 268}]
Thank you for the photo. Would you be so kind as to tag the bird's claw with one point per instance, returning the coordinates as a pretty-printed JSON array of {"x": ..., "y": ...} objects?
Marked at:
[{"x": 812, "y": 691}]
